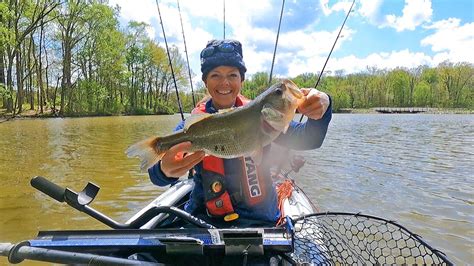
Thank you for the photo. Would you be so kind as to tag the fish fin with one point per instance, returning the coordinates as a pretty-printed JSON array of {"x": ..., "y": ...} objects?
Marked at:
[
  {"x": 147, "y": 152},
  {"x": 257, "y": 156},
  {"x": 194, "y": 119}
]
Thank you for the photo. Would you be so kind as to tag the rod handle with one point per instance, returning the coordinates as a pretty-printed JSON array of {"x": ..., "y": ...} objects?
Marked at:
[{"x": 49, "y": 188}]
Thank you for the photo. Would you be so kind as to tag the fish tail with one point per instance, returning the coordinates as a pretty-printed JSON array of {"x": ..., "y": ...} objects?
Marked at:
[{"x": 147, "y": 151}]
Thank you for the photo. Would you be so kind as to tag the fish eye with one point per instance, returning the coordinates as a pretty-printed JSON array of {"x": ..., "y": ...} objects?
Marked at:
[{"x": 279, "y": 91}]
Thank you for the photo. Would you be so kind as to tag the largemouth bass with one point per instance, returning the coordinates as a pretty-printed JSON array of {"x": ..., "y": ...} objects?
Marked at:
[{"x": 228, "y": 134}]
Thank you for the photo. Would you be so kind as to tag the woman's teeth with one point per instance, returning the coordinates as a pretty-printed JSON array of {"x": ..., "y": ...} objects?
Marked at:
[{"x": 224, "y": 92}]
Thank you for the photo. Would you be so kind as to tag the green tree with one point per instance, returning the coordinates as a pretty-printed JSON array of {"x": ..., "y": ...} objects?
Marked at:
[
  {"x": 399, "y": 86},
  {"x": 456, "y": 80},
  {"x": 101, "y": 59},
  {"x": 422, "y": 94},
  {"x": 71, "y": 22},
  {"x": 22, "y": 18},
  {"x": 255, "y": 84}
]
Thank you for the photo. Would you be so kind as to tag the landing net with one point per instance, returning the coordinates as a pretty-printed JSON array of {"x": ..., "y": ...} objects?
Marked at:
[{"x": 347, "y": 238}]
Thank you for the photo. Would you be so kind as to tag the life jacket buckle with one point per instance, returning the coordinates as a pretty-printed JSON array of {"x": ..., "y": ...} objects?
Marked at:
[{"x": 218, "y": 200}]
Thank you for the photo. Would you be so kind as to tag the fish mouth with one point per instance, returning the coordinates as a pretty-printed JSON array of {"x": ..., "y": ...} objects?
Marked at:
[
  {"x": 267, "y": 127},
  {"x": 293, "y": 89}
]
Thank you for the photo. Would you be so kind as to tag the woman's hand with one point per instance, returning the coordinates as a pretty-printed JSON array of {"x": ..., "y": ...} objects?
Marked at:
[
  {"x": 315, "y": 104},
  {"x": 175, "y": 164}
]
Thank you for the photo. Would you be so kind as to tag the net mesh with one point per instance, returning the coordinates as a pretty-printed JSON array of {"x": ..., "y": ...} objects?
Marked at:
[{"x": 345, "y": 238}]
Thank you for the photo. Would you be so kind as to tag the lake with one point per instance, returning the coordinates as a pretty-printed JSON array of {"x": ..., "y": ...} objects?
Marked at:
[{"x": 413, "y": 169}]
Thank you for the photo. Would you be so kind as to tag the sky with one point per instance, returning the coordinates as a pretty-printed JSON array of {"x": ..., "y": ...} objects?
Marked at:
[{"x": 378, "y": 33}]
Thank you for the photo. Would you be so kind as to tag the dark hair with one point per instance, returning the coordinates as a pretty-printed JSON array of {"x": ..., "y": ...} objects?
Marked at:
[{"x": 222, "y": 53}]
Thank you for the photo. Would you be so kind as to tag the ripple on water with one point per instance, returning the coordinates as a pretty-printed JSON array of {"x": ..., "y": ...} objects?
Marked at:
[{"x": 414, "y": 169}]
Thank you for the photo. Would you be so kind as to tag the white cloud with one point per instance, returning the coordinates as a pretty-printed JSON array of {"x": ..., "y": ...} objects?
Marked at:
[
  {"x": 370, "y": 9},
  {"x": 239, "y": 15},
  {"x": 143, "y": 12},
  {"x": 415, "y": 12},
  {"x": 353, "y": 64},
  {"x": 303, "y": 50},
  {"x": 391, "y": 60},
  {"x": 130, "y": 10},
  {"x": 451, "y": 41},
  {"x": 307, "y": 52},
  {"x": 339, "y": 6}
]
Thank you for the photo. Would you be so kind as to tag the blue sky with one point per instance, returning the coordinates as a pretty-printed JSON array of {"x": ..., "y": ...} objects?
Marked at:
[{"x": 381, "y": 33}]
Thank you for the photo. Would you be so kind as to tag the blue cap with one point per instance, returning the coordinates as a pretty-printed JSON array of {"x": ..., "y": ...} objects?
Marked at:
[{"x": 222, "y": 53}]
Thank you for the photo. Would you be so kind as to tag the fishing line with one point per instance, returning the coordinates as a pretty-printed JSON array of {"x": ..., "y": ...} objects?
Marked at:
[
  {"x": 224, "y": 17},
  {"x": 276, "y": 42},
  {"x": 186, "y": 51},
  {"x": 332, "y": 48},
  {"x": 171, "y": 64}
]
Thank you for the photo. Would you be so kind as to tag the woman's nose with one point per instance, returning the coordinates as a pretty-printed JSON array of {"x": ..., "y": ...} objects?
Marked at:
[{"x": 226, "y": 81}]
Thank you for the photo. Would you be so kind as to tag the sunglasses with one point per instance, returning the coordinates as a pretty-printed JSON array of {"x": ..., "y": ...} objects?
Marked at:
[{"x": 225, "y": 47}]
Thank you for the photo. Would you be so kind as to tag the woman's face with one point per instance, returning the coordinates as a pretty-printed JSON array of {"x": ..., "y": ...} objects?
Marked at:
[{"x": 223, "y": 84}]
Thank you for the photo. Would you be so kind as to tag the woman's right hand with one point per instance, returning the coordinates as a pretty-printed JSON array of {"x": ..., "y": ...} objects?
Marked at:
[{"x": 174, "y": 164}]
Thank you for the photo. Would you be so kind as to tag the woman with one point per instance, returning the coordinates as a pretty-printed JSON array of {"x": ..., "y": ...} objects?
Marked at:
[{"x": 255, "y": 202}]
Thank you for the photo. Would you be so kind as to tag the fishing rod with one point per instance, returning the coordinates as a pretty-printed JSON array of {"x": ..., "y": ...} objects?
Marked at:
[
  {"x": 332, "y": 48},
  {"x": 171, "y": 64},
  {"x": 276, "y": 42},
  {"x": 186, "y": 52},
  {"x": 327, "y": 59},
  {"x": 334, "y": 44}
]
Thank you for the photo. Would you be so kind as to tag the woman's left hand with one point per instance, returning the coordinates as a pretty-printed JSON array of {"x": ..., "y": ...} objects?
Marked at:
[{"x": 315, "y": 104}]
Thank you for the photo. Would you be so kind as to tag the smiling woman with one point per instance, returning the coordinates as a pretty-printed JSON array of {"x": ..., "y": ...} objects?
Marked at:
[
  {"x": 266, "y": 119},
  {"x": 223, "y": 71},
  {"x": 223, "y": 84}
]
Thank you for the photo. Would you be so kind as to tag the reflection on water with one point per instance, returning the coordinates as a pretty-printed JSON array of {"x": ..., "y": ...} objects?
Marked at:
[{"x": 415, "y": 169}]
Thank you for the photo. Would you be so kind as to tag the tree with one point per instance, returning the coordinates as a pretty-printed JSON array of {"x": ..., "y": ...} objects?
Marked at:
[
  {"x": 101, "y": 60},
  {"x": 455, "y": 79},
  {"x": 71, "y": 24},
  {"x": 256, "y": 84},
  {"x": 22, "y": 19}
]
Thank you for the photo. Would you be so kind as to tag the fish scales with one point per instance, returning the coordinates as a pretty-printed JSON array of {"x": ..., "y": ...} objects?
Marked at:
[{"x": 227, "y": 135}]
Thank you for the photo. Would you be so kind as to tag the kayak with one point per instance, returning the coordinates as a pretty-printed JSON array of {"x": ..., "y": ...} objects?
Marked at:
[{"x": 163, "y": 233}]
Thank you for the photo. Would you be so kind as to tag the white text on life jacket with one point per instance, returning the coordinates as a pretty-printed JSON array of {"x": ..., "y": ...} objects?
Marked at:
[{"x": 252, "y": 180}]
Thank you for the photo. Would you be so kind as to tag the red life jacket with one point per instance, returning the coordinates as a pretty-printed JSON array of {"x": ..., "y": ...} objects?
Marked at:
[
  {"x": 252, "y": 183},
  {"x": 201, "y": 107}
]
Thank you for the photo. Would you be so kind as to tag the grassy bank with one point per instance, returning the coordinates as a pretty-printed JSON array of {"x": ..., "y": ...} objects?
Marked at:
[
  {"x": 48, "y": 113},
  {"x": 425, "y": 111}
]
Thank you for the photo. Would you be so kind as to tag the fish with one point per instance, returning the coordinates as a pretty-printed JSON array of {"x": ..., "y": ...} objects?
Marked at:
[{"x": 230, "y": 133}]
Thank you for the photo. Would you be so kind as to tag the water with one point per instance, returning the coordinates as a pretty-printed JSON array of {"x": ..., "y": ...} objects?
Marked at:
[{"x": 414, "y": 169}]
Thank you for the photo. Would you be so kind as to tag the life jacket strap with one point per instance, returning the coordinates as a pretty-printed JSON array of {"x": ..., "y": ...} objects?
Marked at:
[
  {"x": 217, "y": 198},
  {"x": 213, "y": 164}
]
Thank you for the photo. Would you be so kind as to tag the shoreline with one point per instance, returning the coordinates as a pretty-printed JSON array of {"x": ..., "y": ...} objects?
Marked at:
[
  {"x": 464, "y": 111},
  {"x": 31, "y": 114}
]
